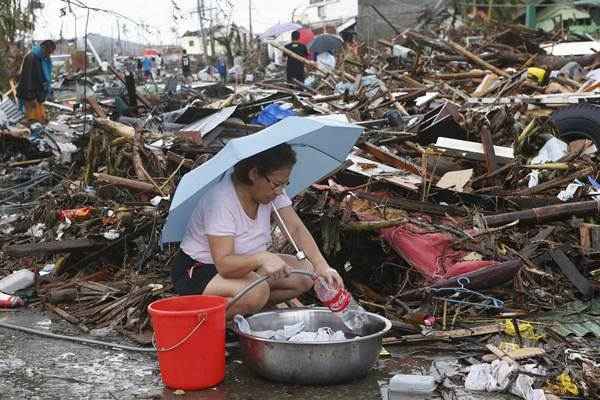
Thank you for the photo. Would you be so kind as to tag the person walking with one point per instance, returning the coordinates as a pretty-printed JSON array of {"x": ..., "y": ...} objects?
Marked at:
[
  {"x": 139, "y": 68},
  {"x": 35, "y": 81},
  {"x": 186, "y": 67},
  {"x": 147, "y": 67},
  {"x": 295, "y": 68}
]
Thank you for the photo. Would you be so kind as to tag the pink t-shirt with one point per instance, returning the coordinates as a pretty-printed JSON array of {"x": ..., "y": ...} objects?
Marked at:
[{"x": 220, "y": 213}]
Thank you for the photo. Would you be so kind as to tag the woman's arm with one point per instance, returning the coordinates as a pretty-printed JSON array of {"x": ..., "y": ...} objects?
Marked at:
[{"x": 232, "y": 266}]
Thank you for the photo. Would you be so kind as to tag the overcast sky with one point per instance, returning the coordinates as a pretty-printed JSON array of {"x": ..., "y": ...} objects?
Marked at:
[{"x": 165, "y": 23}]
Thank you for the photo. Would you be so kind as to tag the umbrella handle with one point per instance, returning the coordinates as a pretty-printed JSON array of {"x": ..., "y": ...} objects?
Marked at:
[
  {"x": 299, "y": 254},
  {"x": 260, "y": 280}
]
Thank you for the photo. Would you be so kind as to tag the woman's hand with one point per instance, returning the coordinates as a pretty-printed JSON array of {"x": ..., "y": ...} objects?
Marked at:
[
  {"x": 273, "y": 266},
  {"x": 331, "y": 276}
]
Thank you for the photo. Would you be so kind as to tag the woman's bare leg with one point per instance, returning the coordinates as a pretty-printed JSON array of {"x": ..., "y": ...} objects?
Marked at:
[{"x": 250, "y": 303}]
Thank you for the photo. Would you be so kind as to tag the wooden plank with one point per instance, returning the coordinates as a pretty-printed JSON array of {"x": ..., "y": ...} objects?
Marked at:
[
  {"x": 585, "y": 237},
  {"x": 443, "y": 335},
  {"x": 46, "y": 248},
  {"x": 530, "y": 248},
  {"x": 390, "y": 158},
  {"x": 475, "y": 59},
  {"x": 473, "y": 150},
  {"x": 379, "y": 171},
  {"x": 488, "y": 149},
  {"x": 413, "y": 205},
  {"x": 542, "y": 187},
  {"x": 580, "y": 282},
  {"x": 501, "y": 354},
  {"x": 128, "y": 183},
  {"x": 519, "y": 354}
]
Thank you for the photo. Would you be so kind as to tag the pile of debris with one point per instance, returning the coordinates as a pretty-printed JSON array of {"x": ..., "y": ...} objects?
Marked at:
[{"x": 466, "y": 210}]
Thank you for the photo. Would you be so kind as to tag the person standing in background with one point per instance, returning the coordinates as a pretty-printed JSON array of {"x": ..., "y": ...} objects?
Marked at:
[
  {"x": 222, "y": 69},
  {"x": 295, "y": 68},
  {"x": 147, "y": 67},
  {"x": 35, "y": 81},
  {"x": 139, "y": 68},
  {"x": 186, "y": 68}
]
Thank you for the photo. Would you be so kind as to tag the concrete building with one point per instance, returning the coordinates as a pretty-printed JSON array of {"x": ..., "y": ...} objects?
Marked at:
[
  {"x": 402, "y": 13},
  {"x": 191, "y": 41},
  {"x": 331, "y": 16},
  {"x": 581, "y": 17}
]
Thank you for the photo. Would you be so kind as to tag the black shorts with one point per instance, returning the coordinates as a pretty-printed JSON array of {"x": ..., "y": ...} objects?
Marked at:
[{"x": 189, "y": 276}]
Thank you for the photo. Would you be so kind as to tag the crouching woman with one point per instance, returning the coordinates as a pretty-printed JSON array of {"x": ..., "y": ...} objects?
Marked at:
[{"x": 225, "y": 245}]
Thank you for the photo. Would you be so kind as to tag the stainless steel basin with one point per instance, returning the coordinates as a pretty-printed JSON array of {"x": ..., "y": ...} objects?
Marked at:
[{"x": 312, "y": 363}]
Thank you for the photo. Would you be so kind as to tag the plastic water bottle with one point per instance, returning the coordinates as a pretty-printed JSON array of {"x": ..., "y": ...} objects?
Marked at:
[
  {"x": 341, "y": 302},
  {"x": 8, "y": 301},
  {"x": 411, "y": 387},
  {"x": 18, "y": 280}
]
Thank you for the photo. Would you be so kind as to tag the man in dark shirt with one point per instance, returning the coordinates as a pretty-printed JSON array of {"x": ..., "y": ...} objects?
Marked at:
[
  {"x": 295, "y": 68},
  {"x": 35, "y": 81},
  {"x": 186, "y": 67}
]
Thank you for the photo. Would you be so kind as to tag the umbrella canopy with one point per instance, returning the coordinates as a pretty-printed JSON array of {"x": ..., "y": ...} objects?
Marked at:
[
  {"x": 325, "y": 42},
  {"x": 150, "y": 52},
  {"x": 306, "y": 36},
  {"x": 321, "y": 146},
  {"x": 279, "y": 29}
]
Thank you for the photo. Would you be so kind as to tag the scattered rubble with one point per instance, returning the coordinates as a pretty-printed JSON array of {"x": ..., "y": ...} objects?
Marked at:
[{"x": 467, "y": 212}]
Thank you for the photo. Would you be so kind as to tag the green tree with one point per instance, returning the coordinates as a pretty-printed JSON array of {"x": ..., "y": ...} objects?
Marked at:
[{"x": 16, "y": 21}]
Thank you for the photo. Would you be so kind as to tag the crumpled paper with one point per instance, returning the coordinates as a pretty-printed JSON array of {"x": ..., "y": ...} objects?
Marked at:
[{"x": 495, "y": 377}]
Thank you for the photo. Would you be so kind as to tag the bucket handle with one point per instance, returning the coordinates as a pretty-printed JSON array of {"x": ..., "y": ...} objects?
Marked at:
[{"x": 201, "y": 320}]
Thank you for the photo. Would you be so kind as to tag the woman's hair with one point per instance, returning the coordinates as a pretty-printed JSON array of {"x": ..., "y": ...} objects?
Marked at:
[{"x": 276, "y": 158}]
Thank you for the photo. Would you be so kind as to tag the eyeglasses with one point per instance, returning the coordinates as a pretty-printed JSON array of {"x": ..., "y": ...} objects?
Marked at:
[{"x": 276, "y": 185}]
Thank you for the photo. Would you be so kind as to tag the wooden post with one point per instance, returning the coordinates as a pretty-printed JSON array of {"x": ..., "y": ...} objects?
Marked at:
[
  {"x": 544, "y": 214},
  {"x": 488, "y": 149},
  {"x": 128, "y": 183},
  {"x": 303, "y": 60},
  {"x": 467, "y": 54}
]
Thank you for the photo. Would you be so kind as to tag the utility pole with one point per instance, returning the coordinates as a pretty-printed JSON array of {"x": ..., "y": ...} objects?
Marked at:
[
  {"x": 200, "y": 10},
  {"x": 75, "y": 25},
  {"x": 212, "y": 33},
  {"x": 250, "y": 20}
]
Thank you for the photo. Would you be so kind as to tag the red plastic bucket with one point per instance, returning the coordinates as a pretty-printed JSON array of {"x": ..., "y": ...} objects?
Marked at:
[{"x": 190, "y": 340}]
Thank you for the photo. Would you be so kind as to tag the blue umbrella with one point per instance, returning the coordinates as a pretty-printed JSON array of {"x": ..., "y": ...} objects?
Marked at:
[
  {"x": 325, "y": 42},
  {"x": 321, "y": 146},
  {"x": 279, "y": 29}
]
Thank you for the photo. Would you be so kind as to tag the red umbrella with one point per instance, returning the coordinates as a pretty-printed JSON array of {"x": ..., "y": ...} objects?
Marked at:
[
  {"x": 306, "y": 35},
  {"x": 150, "y": 53}
]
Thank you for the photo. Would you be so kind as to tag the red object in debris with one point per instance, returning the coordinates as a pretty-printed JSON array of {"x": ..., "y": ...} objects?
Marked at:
[
  {"x": 76, "y": 214},
  {"x": 431, "y": 253},
  {"x": 9, "y": 301}
]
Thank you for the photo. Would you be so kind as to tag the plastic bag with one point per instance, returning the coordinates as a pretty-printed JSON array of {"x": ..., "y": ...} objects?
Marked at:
[
  {"x": 326, "y": 61},
  {"x": 553, "y": 150},
  {"x": 274, "y": 113},
  {"x": 525, "y": 328},
  {"x": 321, "y": 335}
]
